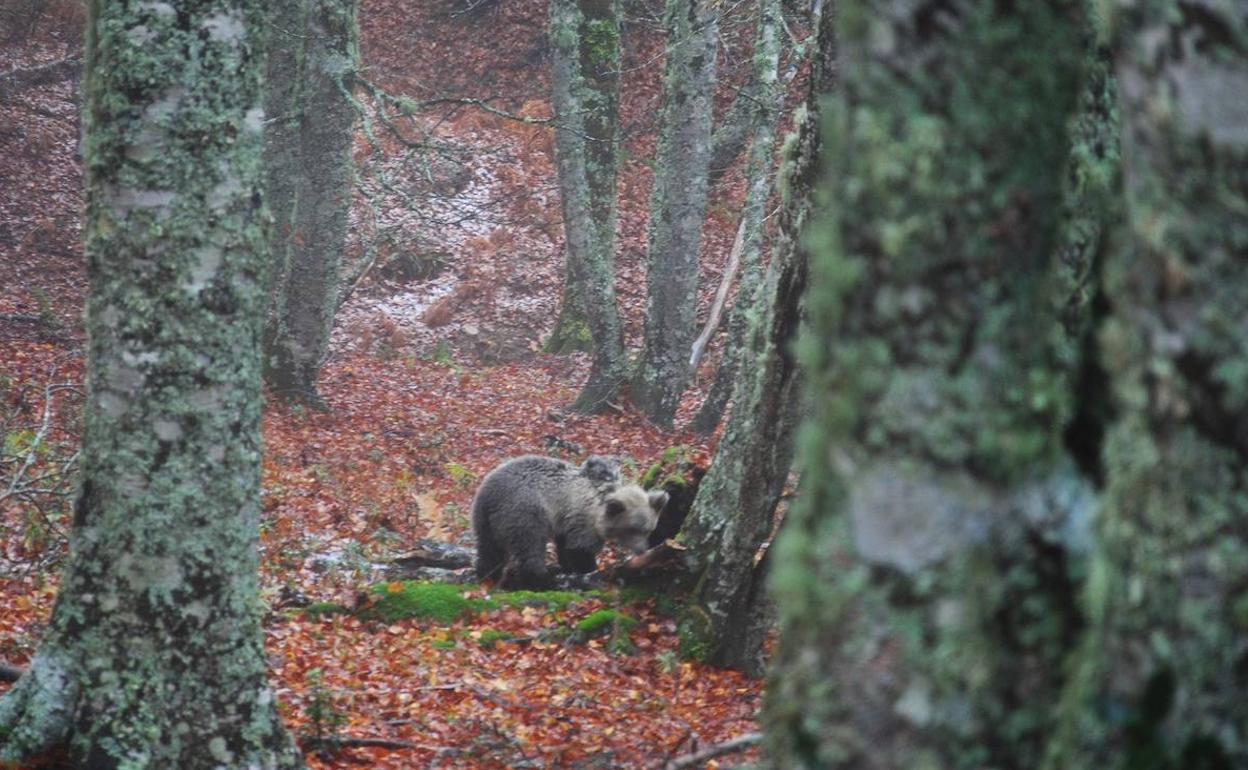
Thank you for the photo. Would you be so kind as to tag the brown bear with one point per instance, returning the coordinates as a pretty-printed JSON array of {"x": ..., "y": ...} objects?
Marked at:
[{"x": 528, "y": 501}]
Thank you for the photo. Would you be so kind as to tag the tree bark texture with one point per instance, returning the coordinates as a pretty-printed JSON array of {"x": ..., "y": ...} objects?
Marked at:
[
  {"x": 926, "y": 583},
  {"x": 309, "y": 164},
  {"x": 1160, "y": 680},
  {"x": 585, "y": 40},
  {"x": 768, "y": 99},
  {"x": 153, "y": 654},
  {"x": 734, "y": 511},
  {"x": 677, "y": 207}
]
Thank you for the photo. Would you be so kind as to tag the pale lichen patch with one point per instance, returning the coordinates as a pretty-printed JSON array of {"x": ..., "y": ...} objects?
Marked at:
[
  {"x": 167, "y": 430},
  {"x": 225, "y": 27},
  {"x": 208, "y": 261},
  {"x": 217, "y": 747}
]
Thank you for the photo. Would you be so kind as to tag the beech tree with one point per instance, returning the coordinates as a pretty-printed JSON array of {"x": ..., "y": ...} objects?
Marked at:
[
  {"x": 734, "y": 511},
  {"x": 923, "y": 588},
  {"x": 1018, "y": 543},
  {"x": 585, "y": 41},
  {"x": 311, "y": 121},
  {"x": 1157, "y": 680},
  {"x": 766, "y": 101},
  {"x": 677, "y": 207},
  {"x": 153, "y": 655}
]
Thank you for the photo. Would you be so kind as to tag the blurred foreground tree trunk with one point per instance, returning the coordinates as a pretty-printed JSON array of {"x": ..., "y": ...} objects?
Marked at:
[
  {"x": 678, "y": 207},
  {"x": 927, "y": 582},
  {"x": 153, "y": 654},
  {"x": 1084, "y": 439},
  {"x": 734, "y": 511},
  {"x": 1160, "y": 681},
  {"x": 766, "y": 100},
  {"x": 309, "y": 177},
  {"x": 585, "y": 42}
]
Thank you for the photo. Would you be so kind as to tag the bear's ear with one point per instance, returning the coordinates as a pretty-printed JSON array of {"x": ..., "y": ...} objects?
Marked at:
[
  {"x": 658, "y": 499},
  {"x": 614, "y": 508}
]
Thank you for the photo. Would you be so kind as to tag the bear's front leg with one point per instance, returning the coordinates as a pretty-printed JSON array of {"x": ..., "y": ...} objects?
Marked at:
[{"x": 579, "y": 560}]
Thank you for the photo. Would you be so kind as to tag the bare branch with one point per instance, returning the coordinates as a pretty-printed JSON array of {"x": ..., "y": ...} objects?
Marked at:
[
  {"x": 45, "y": 74},
  {"x": 721, "y": 296},
  {"x": 740, "y": 743}
]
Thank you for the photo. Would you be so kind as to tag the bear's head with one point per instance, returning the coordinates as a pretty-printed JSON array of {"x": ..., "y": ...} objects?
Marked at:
[{"x": 629, "y": 514}]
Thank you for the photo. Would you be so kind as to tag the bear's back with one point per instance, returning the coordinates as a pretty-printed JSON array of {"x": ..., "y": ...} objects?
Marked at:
[{"x": 556, "y": 486}]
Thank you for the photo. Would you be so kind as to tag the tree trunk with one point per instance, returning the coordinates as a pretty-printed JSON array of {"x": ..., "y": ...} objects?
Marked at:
[
  {"x": 678, "y": 207},
  {"x": 926, "y": 582},
  {"x": 1160, "y": 680},
  {"x": 734, "y": 511},
  {"x": 153, "y": 654},
  {"x": 585, "y": 40},
  {"x": 732, "y": 133},
  {"x": 571, "y": 333},
  {"x": 762, "y": 120},
  {"x": 309, "y": 165}
]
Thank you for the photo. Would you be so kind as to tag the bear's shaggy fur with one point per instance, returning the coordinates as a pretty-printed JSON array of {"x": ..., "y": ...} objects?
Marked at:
[{"x": 528, "y": 501}]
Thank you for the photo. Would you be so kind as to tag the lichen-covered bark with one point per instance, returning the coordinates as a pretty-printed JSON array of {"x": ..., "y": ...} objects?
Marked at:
[
  {"x": 585, "y": 64},
  {"x": 677, "y": 207},
  {"x": 308, "y": 157},
  {"x": 766, "y": 100},
  {"x": 285, "y": 50},
  {"x": 926, "y": 582},
  {"x": 734, "y": 511},
  {"x": 1160, "y": 681},
  {"x": 153, "y": 654}
]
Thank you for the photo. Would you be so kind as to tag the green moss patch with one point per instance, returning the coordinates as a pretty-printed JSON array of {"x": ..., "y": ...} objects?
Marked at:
[
  {"x": 612, "y": 622},
  {"x": 442, "y": 602},
  {"x": 490, "y": 638},
  {"x": 321, "y": 609},
  {"x": 446, "y": 603},
  {"x": 555, "y": 600},
  {"x": 603, "y": 621}
]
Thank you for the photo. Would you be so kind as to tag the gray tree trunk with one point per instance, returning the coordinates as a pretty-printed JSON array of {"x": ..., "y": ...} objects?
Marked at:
[
  {"x": 734, "y": 511},
  {"x": 308, "y": 158},
  {"x": 732, "y": 133},
  {"x": 153, "y": 654},
  {"x": 1160, "y": 679},
  {"x": 678, "y": 207},
  {"x": 927, "y": 581},
  {"x": 585, "y": 40},
  {"x": 767, "y": 100}
]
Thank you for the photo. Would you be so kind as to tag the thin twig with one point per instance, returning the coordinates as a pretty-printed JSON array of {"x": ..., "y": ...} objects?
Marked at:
[
  {"x": 721, "y": 295},
  {"x": 332, "y": 742},
  {"x": 740, "y": 743}
]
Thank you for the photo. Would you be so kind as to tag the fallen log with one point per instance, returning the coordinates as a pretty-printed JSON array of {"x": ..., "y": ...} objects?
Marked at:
[
  {"x": 432, "y": 553},
  {"x": 448, "y": 563},
  {"x": 740, "y": 743}
]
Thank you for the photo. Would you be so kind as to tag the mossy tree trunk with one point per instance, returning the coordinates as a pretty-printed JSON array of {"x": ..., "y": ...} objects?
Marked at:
[
  {"x": 734, "y": 511},
  {"x": 927, "y": 581},
  {"x": 585, "y": 70},
  {"x": 1160, "y": 681},
  {"x": 309, "y": 165},
  {"x": 766, "y": 100},
  {"x": 678, "y": 207},
  {"x": 153, "y": 654}
]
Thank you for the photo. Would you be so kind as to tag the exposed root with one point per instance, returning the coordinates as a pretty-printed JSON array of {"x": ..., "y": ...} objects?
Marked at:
[{"x": 35, "y": 715}]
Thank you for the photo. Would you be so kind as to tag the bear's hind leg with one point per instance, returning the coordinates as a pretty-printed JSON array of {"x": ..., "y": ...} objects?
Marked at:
[
  {"x": 525, "y": 540},
  {"x": 490, "y": 564}
]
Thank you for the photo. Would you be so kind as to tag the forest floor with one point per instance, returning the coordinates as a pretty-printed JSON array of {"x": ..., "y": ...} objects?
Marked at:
[{"x": 433, "y": 380}]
